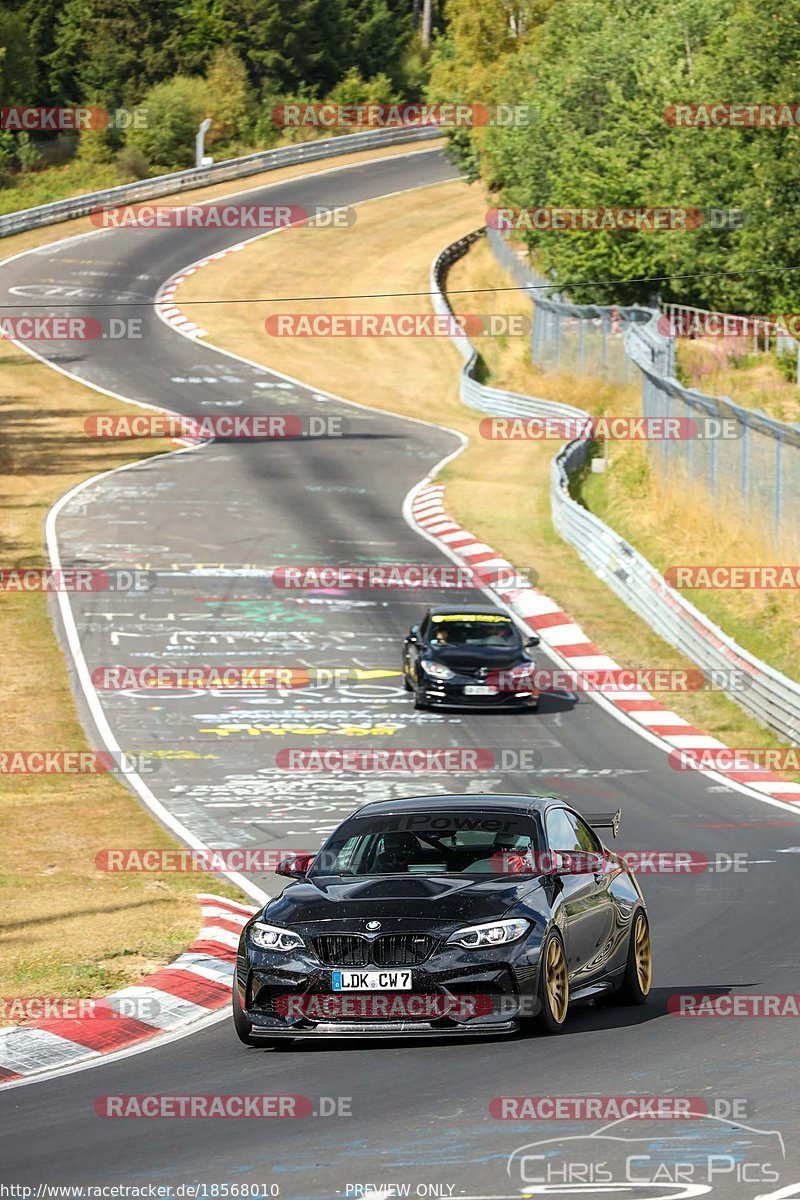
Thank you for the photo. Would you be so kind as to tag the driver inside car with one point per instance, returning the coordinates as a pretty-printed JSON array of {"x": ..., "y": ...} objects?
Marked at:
[{"x": 398, "y": 852}]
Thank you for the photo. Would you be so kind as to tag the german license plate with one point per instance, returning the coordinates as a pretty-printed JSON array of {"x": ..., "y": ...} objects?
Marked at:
[
  {"x": 371, "y": 981},
  {"x": 479, "y": 689}
]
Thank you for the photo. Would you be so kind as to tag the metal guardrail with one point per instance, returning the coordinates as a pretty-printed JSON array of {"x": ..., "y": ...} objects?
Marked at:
[
  {"x": 231, "y": 168},
  {"x": 761, "y": 335},
  {"x": 477, "y": 395},
  {"x": 765, "y": 693}
]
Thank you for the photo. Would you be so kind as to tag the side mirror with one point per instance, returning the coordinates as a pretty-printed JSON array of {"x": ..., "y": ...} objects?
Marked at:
[
  {"x": 295, "y": 868},
  {"x": 412, "y": 638},
  {"x": 573, "y": 862},
  {"x": 532, "y": 641}
]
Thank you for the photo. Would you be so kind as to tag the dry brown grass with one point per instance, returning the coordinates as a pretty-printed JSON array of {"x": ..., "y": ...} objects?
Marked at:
[
  {"x": 720, "y": 367},
  {"x": 499, "y": 490},
  {"x": 67, "y": 928}
]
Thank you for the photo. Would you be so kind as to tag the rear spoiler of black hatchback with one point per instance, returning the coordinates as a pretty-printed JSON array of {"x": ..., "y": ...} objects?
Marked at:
[{"x": 606, "y": 821}]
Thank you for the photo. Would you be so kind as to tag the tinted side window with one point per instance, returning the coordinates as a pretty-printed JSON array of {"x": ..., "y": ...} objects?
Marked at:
[
  {"x": 425, "y": 628},
  {"x": 587, "y": 840},
  {"x": 561, "y": 833}
]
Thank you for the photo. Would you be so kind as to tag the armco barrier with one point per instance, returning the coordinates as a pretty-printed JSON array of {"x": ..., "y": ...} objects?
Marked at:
[
  {"x": 769, "y": 696},
  {"x": 231, "y": 168}
]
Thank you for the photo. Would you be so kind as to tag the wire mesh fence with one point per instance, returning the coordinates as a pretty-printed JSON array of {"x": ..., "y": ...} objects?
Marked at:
[
  {"x": 743, "y": 457},
  {"x": 583, "y": 338}
]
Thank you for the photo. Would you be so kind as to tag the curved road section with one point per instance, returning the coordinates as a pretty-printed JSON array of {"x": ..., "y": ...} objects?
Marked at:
[{"x": 383, "y": 1119}]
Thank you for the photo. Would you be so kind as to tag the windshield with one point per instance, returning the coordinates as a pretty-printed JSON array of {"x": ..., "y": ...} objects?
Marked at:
[
  {"x": 473, "y": 630},
  {"x": 438, "y": 843}
]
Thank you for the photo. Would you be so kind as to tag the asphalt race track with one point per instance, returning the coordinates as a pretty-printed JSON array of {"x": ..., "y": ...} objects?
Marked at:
[{"x": 209, "y": 522}]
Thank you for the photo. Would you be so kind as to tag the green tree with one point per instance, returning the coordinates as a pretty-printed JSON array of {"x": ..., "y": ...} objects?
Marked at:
[
  {"x": 231, "y": 97},
  {"x": 114, "y": 49},
  {"x": 313, "y": 43},
  {"x": 354, "y": 89},
  {"x": 18, "y": 67},
  {"x": 174, "y": 110}
]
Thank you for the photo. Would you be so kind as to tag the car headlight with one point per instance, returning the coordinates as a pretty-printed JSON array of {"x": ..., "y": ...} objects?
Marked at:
[
  {"x": 495, "y": 933},
  {"x": 272, "y": 937},
  {"x": 435, "y": 669}
]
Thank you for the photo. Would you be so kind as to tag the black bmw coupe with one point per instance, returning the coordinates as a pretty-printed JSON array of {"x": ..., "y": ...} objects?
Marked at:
[
  {"x": 469, "y": 656},
  {"x": 442, "y": 915}
]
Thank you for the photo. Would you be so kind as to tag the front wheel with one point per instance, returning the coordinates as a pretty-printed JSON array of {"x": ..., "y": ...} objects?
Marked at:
[
  {"x": 553, "y": 996},
  {"x": 241, "y": 1022}
]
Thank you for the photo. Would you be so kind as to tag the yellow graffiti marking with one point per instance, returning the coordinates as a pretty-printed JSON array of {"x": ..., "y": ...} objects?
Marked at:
[{"x": 304, "y": 730}]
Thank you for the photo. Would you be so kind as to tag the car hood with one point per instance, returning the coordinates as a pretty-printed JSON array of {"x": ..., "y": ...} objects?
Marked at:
[
  {"x": 435, "y": 898},
  {"x": 493, "y": 657}
]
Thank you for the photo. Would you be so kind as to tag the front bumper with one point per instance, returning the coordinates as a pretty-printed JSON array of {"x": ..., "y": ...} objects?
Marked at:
[
  {"x": 452, "y": 694},
  {"x": 385, "y": 1029},
  {"x": 455, "y": 993}
]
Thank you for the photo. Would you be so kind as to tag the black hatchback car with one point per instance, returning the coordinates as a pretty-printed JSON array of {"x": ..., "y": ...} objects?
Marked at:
[
  {"x": 469, "y": 656},
  {"x": 442, "y": 915}
]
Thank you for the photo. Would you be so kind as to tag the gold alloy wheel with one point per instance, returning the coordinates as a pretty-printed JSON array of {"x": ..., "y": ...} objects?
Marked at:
[
  {"x": 643, "y": 953},
  {"x": 556, "y": 980}
]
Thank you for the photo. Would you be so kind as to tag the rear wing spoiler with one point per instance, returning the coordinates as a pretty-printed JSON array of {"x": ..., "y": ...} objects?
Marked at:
[{"x": 606, "y": 821}]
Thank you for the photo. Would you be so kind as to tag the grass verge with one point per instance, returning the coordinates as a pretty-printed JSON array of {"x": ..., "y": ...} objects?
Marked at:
[
  {"x": 721, "y": 367},
  {"x": 68, "y": 928},
  {"x": 499, "y": 490}
]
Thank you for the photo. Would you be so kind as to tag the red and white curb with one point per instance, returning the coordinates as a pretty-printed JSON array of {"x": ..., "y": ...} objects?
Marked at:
[
  {"x": 195, "y": 984},
  {"x": 165, "y": 300},
  {"x": 566, "y": 640}
]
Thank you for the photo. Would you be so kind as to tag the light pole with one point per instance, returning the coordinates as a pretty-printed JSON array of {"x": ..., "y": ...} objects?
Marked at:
[{"x": 199, "y": 143}]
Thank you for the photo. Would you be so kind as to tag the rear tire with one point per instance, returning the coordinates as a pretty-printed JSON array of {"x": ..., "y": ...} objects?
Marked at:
[
  {"x": 553, "y": 991},
  {"x": 638, "y": 976}
]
